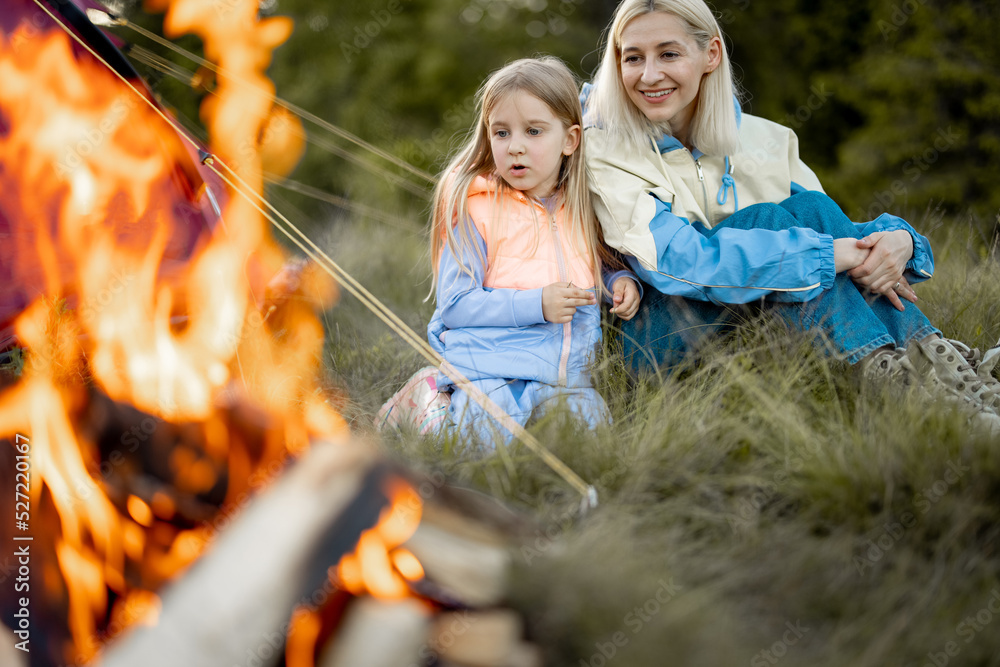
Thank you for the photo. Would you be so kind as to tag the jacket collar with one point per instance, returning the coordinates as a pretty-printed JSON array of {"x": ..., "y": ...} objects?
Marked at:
[
  {"x": 488, "y": 185},
  {"x": 668, "y": 143}
]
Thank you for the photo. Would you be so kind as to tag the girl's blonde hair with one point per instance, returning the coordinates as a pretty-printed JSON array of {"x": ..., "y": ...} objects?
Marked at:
[
  {"x": 713, "y": 126},
  {"x": 549, "y": 80}
]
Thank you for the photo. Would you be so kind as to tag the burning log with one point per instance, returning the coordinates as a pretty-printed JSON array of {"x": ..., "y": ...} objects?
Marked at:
[
  {"x": 464, "y": 560},
  {"x": 230, "y": 608},
  {"x": 464, "y": 543},
  {"x": 482, "y": 639},
  {"x": 318, "y": 514},
  {"x": 314, "y": 516},
  {"x": 279, "y": 553},
  {"x": 230, "y": 603},
  {"x": 376, "y": 633}
]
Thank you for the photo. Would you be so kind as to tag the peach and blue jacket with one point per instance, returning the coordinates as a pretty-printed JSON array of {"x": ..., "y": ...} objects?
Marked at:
[
  {"x": 489, "y": 324},
  {"x": 655, "y": 201}
]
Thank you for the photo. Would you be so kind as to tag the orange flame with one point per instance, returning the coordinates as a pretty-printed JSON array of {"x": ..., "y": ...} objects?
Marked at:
[
  {"x": 95, "y": 184},
  {"x": 379, "y": 566},
  {"x": 303, "y": 631}
]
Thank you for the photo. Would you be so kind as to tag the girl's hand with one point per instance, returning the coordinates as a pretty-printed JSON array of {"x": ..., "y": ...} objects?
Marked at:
[
  {"x": 626, "y": 298},
  {"x": 560, "y": 301}
]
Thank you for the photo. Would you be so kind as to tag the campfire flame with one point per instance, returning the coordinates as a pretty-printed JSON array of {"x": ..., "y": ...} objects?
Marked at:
[
  {"x": 379, "y": 565},
  {"x": 138, "y": 304}
]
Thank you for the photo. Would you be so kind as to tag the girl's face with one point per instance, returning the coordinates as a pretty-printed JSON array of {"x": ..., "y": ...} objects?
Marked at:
[
  {"x": 528, "y": 143},
  {"x": 662, "y": 67}
]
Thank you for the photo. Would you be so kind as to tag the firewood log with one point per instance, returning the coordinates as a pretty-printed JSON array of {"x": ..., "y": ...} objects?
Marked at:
[
  {"x": 233, "y": 606},
  {"x": 378, "y": 633}
]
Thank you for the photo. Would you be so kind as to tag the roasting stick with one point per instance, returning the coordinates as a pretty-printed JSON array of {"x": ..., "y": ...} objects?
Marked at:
[{"x": 588, "y": 492}]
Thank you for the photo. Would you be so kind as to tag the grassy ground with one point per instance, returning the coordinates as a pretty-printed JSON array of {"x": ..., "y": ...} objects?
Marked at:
[{"x": 762, "y": 507}]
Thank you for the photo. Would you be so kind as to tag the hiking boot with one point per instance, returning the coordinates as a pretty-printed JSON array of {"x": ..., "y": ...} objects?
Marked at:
[
  {"x": 989, "y": 393},
  {"x": 951, "y": 363},
  {"x": 916, "y": 369},
  {"x": 894, "y": 368}
]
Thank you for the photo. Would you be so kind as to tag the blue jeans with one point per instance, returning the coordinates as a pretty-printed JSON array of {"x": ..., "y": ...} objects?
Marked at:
[{"x": 667, "y": 329}]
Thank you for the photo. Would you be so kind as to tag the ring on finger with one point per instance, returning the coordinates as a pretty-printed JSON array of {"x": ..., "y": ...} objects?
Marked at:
[{"x": 896, "y": 286}]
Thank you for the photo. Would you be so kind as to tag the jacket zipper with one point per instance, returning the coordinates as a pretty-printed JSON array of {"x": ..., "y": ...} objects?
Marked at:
[
  {"x": 568, "y": 326},
  {"x": 704, "y": 192}
]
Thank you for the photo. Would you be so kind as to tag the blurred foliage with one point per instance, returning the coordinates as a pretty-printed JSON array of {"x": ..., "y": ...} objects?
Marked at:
[{"x": 896, "y": 102}]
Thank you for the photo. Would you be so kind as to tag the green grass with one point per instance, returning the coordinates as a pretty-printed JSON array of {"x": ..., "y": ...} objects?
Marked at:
[{"x": 773, "y": 501}]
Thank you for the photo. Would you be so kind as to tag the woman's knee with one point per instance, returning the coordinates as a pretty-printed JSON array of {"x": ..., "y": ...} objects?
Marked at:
[
  {"x": 760, "y": 216},
  {"x": 817, "y": 211}
]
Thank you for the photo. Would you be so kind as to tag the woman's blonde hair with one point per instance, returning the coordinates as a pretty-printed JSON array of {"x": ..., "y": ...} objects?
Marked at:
[
  {"x": 549, "y": 80},
  {"x": 713, "y": 126}
]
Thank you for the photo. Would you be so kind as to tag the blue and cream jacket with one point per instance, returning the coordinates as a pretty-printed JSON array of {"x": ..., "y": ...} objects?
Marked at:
[{"x": 655, "y": 201}]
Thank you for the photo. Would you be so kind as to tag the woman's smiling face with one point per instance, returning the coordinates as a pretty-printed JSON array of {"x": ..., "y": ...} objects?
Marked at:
[{"x": 662, "y": 68}]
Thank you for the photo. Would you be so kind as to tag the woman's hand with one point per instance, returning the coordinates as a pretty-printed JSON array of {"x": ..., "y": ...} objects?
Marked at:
[
  {"x": 626, "y": 298},
  {"x": 560, "y": 301},
  {"x": 901, "y": 289},
  {"x": 882, "y": 271}
]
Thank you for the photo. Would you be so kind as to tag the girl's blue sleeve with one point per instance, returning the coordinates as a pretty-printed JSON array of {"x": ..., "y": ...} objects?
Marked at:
[
  {"x": 921, "y": 265},
  {"x": 736, "y": 265},
  {"x": 464, "y": 302}
]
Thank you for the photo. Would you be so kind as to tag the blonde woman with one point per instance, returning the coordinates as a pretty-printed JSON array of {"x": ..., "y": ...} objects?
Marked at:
[{"x": 714, "y": 209}]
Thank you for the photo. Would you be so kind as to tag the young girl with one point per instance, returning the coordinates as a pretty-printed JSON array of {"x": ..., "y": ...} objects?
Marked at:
[{"x": 518, "y": 260}]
